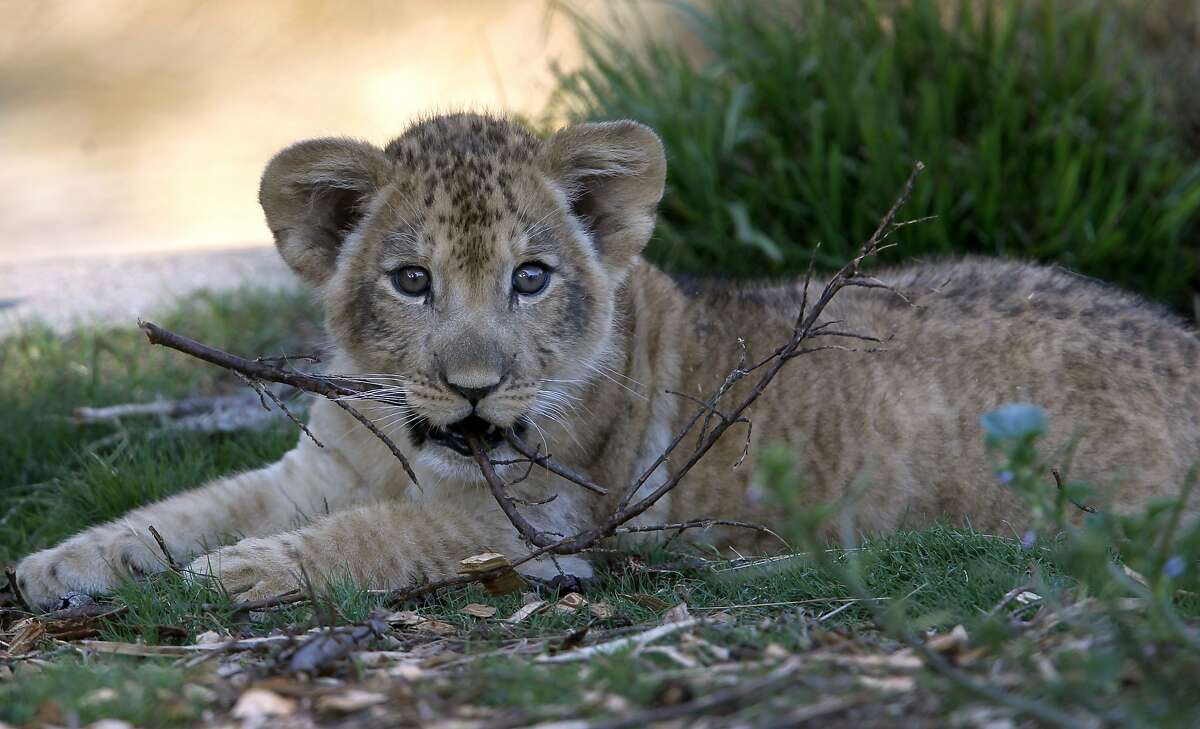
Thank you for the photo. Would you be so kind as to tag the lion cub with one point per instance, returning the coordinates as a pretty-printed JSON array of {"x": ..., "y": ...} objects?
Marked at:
[{"x": 493, "y": 279}]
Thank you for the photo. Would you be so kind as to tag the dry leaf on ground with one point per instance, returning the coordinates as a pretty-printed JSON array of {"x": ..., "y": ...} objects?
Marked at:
[
  {"x": 600, "y": 610},
  {"x": 526, "y": 610},
  {"x": 570, "y": 602},
  {"x": 349, "y": 701},
  {"x": 260, "y": 703},
  {"x": 677, "y": 614},
  {"x": 478, "y": 610},
  {"x": 951, "y": 643}
]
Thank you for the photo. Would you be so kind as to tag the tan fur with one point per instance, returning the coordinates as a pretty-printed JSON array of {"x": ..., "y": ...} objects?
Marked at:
[{"x": 590, "y": 360}]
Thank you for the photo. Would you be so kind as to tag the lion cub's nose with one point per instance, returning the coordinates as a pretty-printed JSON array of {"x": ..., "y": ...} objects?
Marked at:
[
  {"x": 473, "y": 394},
  {"x": 472, "y": 367}
]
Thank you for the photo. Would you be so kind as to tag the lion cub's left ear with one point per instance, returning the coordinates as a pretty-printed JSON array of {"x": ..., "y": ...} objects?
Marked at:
[
  {"x": 314, "y": 194},
  {"x": 613, "y": 174}
]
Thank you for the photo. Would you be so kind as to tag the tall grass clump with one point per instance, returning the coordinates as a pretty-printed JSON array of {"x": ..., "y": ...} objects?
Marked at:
[{"x": 790, "y": 124}]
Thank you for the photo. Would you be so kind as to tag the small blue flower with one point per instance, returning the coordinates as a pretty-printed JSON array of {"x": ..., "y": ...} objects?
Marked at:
[
  {"x": 1005, "y": 476},
  {"x": 1013, "y": 421},
  {"x": 1174, "y": 567},
  {"x": 1028, "y": 539}
]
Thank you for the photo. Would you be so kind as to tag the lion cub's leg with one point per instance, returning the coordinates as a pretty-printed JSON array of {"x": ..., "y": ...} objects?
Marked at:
[
  {"x": 385, "y": 546},
  {"x": 302, "y": 486},
  {"x": 380, "y": 546}
]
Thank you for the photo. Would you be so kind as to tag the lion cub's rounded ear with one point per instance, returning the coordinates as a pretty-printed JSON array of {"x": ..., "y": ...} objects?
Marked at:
[
  {"x": 314, "y": 194},
  {"x": 613, "y": 174}
]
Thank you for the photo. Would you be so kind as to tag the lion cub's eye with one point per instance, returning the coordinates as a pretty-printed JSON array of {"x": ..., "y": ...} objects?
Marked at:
[
  {"x": 530, "y": 278},
  {"x": 411, "y": 280}
]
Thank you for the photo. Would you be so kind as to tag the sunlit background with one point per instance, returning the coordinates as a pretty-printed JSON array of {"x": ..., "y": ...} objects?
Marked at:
[
  {"x": 133, "y": 132},
  {"x": 142, "y": 126}
]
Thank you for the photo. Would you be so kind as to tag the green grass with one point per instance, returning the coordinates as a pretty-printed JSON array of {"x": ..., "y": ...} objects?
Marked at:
[
  {"x": 943, "y": 576},
  {"x": 793, "y": 124},
  {"x": 57, "y": 477},
  {"x": 76, "y": 692}
]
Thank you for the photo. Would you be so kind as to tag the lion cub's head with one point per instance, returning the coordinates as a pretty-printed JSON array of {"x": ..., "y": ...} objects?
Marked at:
[{"x": 470, "y": 262}]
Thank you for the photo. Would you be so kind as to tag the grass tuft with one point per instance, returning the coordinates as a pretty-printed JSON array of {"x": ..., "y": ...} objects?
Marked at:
[{"x": 789, "y": 125}]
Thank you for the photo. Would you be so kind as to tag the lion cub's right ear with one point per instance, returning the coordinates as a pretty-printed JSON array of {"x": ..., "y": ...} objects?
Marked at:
[{"x": 314, "y": 194}]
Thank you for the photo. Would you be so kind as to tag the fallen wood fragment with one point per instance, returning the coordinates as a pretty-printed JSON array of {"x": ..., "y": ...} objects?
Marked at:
[
  {"x": 152, "y": 651},
  {"x": 505, "y": 581},
  {"x": 79, "y": 622},
  {"x": 520, "y": 615},
  {"x": 321, "y": 650},
  {"x": 570, "y": 602},
  {"x": 185, "y": 407},
  {"x": 32, "y": 634},
  {"x": 16, "y": 598},
  {"x": 477, "y": 610},
  {"x": 348, "y": 701},
  {"x": 620, "y": 644}
]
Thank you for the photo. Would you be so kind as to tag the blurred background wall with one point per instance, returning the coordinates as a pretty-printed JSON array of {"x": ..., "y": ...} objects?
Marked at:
[{"x": 142, "y": 125}]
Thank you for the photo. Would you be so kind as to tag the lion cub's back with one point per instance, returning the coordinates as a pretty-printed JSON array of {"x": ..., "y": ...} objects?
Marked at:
[{"x": 1114, "y": 373}]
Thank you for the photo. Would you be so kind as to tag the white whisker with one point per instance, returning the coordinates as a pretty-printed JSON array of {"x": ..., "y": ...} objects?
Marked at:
[
  {"x": 622, "y": 385},
  {"x": 617, "y": 373}
]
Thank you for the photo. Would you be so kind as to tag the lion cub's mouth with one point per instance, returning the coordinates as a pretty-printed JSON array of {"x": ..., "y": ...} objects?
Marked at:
[{"x": 454, "y": 436}]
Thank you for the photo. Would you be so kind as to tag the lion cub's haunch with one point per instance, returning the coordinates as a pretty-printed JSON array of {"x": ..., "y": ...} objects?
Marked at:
[{"x": 492, "y": 278}]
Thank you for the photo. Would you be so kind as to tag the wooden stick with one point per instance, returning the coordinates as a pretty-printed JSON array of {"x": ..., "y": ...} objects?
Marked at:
[
  {"x": 544, "y": 461},
  {"x": 331, "y": 388},
  {"x": 163, "y": 546}
]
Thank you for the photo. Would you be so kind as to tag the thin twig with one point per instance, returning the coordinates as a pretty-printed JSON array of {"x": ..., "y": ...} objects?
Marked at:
[
  {"x": 11, "y": 573},
  {"x": 163, "y": 546},
  {"x": 523, "y": 476},
  {"x": 1058, "y": 482},
  {"x": 391, "y": 446},
  {"x": 620, "y": 644},
  {"x": 497, "y": 486},
  {"x": 286, "y": 358},
  {"x": 291, "y": 597},
  {"x": 700, "y": 524},
  {"x": 545, "y": 462},
  {"x": 1009, "y": 597},
  {"x": 331, "y": 388},
  {"x": 265, "y": 392}
]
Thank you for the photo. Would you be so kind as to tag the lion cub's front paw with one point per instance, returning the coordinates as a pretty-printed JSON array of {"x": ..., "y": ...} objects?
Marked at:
[
  {"x": 91, "y": 562},
  {"x": 252, "y": 569}
]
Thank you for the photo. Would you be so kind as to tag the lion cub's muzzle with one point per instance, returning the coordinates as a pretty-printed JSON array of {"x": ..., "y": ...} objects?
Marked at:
[{"x": 454, "y": 436}]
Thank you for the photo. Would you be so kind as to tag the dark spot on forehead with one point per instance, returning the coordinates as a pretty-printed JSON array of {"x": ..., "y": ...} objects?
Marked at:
[
  {"x": 469, "y": 158},
  {"x": 444, "y": 140}
]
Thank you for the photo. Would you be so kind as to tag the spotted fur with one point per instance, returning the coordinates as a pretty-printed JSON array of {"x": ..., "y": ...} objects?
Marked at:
[{"x": 589, "y": 364}]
